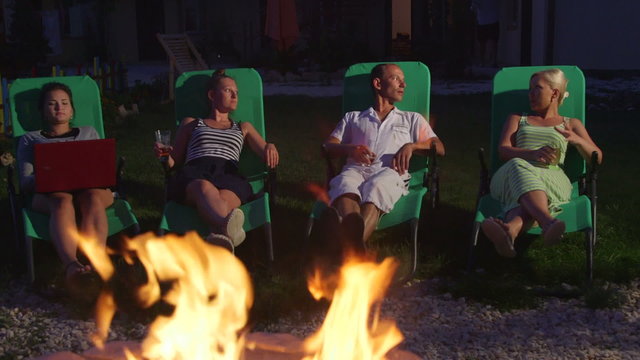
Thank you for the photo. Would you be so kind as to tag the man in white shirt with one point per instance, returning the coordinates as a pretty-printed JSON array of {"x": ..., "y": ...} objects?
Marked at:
[{"x": 378, "y": 143}]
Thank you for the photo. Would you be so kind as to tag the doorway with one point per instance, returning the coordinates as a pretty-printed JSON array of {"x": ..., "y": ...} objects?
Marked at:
[{"x": 149, "y": 21}]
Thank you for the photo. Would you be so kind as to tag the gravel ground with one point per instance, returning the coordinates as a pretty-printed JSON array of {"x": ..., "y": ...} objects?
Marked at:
[{"x": 435, "y": 326}]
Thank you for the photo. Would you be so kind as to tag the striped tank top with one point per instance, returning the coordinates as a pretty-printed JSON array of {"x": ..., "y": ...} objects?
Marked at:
[
  {"x": 532, "y": 137},
  {"x": 221, "y": 143}
]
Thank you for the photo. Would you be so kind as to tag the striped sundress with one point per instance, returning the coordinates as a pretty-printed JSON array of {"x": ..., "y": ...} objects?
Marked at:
[{"x": 518, "y": 176}]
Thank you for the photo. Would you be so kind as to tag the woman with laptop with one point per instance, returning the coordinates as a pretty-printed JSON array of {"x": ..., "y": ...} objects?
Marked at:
[
  {"x": 207, "y": 152},
  {"x": 65, "y": 206}
]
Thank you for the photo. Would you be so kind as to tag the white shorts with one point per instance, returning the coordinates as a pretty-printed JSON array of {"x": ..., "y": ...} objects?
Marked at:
[{"x": 381, "y": 186}]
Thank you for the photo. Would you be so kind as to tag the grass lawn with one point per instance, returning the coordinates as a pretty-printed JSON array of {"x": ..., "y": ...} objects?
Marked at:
[{"x": 298, "y": 125}]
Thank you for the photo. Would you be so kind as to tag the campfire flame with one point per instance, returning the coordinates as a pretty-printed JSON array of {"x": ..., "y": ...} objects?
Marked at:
[
  {"x": 211, "y": 292},
  {"x": 350, "y": 331}
]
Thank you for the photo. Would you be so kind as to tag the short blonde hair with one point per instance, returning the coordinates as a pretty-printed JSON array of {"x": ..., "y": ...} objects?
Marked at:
[{"x": 556, "y": 79}]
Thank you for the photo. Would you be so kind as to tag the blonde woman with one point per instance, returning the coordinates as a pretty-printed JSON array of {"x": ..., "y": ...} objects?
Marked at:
[{"x": 531, "y": 183}]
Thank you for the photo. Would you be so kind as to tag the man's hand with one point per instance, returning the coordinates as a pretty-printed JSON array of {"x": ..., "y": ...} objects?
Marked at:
[
  {"x": 362, "y": 154},
  {"x": 400, "y": 161}
]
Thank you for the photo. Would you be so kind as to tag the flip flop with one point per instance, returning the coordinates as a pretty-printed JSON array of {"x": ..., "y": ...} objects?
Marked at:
[
  {"x": 499, "y": 237},
  {"x": 552, "y": 234}
]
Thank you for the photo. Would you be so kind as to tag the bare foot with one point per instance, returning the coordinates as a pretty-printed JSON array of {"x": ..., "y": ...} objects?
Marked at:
[
  {"x": 553, "y": 231},
  {"x": 75, "y": 268}
]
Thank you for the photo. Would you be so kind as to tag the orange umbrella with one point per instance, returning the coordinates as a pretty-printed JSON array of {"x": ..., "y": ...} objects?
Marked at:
[{"x": 282, "y": 24}]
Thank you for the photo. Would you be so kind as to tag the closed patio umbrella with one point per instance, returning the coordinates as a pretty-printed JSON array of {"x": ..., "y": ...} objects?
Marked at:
[{"x": 281, "y": 24}]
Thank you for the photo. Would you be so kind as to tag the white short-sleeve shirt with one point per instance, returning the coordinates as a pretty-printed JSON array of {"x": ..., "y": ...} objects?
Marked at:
[{"x": 386, "y": 137}]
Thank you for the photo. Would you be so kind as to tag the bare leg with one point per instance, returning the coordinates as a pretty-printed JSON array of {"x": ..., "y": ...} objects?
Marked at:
[
  {"x": 371, "y": 215},
  {"x": 213, "y": 204},
  {"x": 516, "y": 222},
  {"x": 91, "y": 204},
  {"x": 536, "y": 204},
  {"x": 62, "y": 222},
  {"x": 347, "y": 204}
]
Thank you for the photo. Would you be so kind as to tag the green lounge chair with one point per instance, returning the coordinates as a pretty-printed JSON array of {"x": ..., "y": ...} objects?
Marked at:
[
  {"x": 424, "y": 176},
  {"x": 191, "y": 100},
  {"x": 26, "y": 116},
  {"x": 510, "y": 95}
]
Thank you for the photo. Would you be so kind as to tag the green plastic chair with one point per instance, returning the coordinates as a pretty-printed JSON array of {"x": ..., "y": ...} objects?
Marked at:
[
  {"x": 510, "y": 95},
  {"x": 191, "y": 100},
  {"x": 424, "y": 176},
  {"x": 25, "y": 116}
]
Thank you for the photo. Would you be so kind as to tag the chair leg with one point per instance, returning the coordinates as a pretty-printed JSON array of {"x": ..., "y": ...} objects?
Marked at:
[
  {"x": 307, "y": 239},
  {"x": 471, "y": 258},
  {"x": 28, "y": 249},
  {"x": 414, "y": 256},
  {"x": 413, "y": 228},
  {"x": 269, "y": 240},
  {"x": 15, "y": 217},
  {"x": 590, "y": 240}
]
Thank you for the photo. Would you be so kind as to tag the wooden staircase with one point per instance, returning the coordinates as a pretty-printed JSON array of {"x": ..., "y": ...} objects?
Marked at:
[{"x": 183, "y": 56}]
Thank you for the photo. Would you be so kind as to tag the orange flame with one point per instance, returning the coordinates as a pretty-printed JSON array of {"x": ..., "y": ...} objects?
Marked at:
[
  {"x": 350, "y": 331},
  {"x": 211, "y": 293}
]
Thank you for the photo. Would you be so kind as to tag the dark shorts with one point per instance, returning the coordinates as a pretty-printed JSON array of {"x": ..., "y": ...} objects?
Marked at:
[
  {"x": 488, "y": 32},
  {"x": 222, "y": 173}
]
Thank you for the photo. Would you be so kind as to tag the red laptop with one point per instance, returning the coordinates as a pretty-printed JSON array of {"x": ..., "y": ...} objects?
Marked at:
[{"x": 74, "y": 165}]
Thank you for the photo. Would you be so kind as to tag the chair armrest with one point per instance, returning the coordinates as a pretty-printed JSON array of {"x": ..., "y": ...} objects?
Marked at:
[
  {"x": 592, "y": 175},
  {"x": 271, "y": 184},
  {"x": 119, "y": 188},
  {"x": 433, "y": 171},
  {"x": 432, "y": 177}
]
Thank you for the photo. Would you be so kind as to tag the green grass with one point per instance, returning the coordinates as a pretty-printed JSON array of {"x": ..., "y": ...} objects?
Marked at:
[{"x": 298, "y": 125}]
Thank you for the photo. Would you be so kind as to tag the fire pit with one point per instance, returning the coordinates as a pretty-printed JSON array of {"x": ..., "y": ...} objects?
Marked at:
[{"x": 211, "y": 293}]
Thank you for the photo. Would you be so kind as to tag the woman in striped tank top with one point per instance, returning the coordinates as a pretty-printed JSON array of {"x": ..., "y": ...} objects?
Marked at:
[
  {"x": 207, "y": 152},
  {"x": 531, "y": 184}
]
